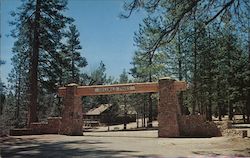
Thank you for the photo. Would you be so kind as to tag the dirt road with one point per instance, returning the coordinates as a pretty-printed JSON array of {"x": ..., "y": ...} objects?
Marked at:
[{"x": 117, "y": 144}]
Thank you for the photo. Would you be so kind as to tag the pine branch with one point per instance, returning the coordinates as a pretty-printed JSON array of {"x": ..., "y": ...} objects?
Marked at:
[
  {"x": 131, "y": 7},
  {"x": 219, "y": 12},
  {"x": 166, "y": 32}
]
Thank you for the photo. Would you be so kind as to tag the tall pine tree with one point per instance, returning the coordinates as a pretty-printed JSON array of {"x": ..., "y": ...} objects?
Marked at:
[
  {"x": 46, "y": 21},
  {"x": 73, "y": 47}
]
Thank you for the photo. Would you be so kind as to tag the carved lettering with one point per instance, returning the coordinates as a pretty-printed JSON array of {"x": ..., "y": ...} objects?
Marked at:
[{"x": 115, "y": 89}]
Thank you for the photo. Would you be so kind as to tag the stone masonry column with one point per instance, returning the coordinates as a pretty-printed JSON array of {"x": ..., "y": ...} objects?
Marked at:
[
  {"x": 168, "y": 109},
  {"x": 72, "y": 122}
]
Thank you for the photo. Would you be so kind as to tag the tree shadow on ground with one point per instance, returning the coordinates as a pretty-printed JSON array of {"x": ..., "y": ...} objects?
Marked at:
[
  {"x": 240, "y": 153},
  {"x": 28, "y": 147}
]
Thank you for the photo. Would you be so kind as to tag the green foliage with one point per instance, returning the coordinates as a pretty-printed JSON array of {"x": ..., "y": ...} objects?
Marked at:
[
  {"x": 124, "y": 77},
  {"x": 72, "y": 48},
  {"x": 96, "y": 77},
  {"x": 41, "y": 24},
  {"x": 204, "y": 45},
  {"x": 196, "y": 41}
]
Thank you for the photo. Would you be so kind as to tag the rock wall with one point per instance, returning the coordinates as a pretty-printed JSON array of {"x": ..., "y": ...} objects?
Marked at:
[
  {"x": 197, "y": 126},
  {"x": 171, "y": 122},
  {"x": 50, "y": 127}
]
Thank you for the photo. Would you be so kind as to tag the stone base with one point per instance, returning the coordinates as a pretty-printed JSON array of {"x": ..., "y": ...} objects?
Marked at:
[
  {"x": 21, "y": 132},
  {"x": 171, "y": 128},
  {"x": 52, "y": 127},
  {"x": 197, "y": 126}
]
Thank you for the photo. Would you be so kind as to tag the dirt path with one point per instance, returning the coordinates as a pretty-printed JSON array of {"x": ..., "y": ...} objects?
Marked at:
[{"x": 113, "y": 146}]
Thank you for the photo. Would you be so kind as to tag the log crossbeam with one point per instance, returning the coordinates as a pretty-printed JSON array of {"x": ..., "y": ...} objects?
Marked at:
[{"x": 129, "y": 88}]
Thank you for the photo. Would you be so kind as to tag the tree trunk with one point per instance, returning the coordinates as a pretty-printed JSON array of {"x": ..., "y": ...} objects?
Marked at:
[
  {"x": 209, "y": 109},
  {"x": 219, "y": 112},
  {"x": 150, "y": 102},
  {"x": 194, "y": 101},
  {"x": 2, "y": 98},
  {"x": 219, "y": 103},
  {"x": 230, "y": 78},
  {"x": 137, "y": 120},
  {"x": 210, "y": 81},
  {"x": 180, "y": 72},
  {"x": 248, "y": 107},
  {"x": 73, "y": 66},
  {"x": 144, "y": 115},
  {"x": 32, "y": 114},
  {"x": 18, "y": 97},
  {"x": 125, "y": 113},
  {"x": 230, "y": 110},
  {"x": 210, "y": 96},
  {"x": 243, "y": 115},
  {"x": 248, "y": 91},
  {"x": 150, "y": 117}
]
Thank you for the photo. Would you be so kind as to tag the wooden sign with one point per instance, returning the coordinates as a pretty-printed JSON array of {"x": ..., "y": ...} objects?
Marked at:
[{"x": 114, "y": 89}]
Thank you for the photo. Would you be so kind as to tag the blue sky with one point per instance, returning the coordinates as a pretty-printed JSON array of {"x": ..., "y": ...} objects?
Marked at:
[{"x": 103, "y": 35}]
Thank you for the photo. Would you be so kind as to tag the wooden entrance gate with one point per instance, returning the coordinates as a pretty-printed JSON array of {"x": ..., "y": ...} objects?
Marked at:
[{"x": 168, "y": 108}]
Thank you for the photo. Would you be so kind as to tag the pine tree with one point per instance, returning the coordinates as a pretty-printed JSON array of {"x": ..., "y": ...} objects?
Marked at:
[
  {"x": 46, "y": 21},
  {"x": 73, "y": 47},
  {"x": 247, "y": 72},
  {"x": 18, "y": 79},
  {"x": 148, "y": 66},
  {"x": 208, "y": 75},
  {"x": 2, "y": 93},
  {"x": 19, "y": 75},
  {"x": 124, "y": 79},
  {"x": 96, "y": 77}
]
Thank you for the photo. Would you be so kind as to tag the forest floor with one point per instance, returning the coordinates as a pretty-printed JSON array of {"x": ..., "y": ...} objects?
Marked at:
[{"x": 121, "y": 144}]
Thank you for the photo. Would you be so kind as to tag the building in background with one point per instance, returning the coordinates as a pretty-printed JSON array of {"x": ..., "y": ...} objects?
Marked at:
[{"x": 108, "y": 114}]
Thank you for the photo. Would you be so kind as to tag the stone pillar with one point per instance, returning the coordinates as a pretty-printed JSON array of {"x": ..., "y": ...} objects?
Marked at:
[
  {"x": 168, "y": 109},
  {"x": 72, "y": 122}
]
